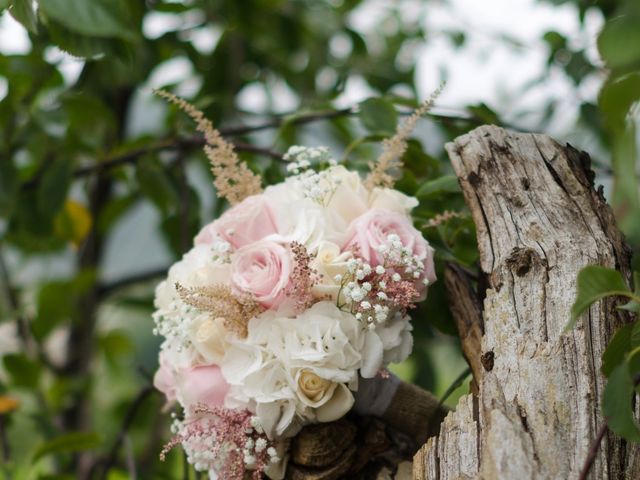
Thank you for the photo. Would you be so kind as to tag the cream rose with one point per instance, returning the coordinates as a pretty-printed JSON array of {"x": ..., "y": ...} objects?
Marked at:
[
  {"x": 329, "y": 263},
  {"x": 329, "y": 400},
  {"x": 313, "y": 389},
  {"x": 390, "y": 199},
  {"x": 209, "y": 338}
]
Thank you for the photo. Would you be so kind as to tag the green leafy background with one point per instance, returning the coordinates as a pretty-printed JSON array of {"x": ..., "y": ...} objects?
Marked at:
[{"x": 95, "y": 167}]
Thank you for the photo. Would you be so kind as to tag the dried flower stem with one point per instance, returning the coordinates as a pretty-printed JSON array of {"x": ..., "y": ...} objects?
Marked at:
[
  {"x": 233, "y": 179},
  {"x": 220, "y": 301},
  {"x": 442, "y": 218},
  {"x": 393, "y": 148}
]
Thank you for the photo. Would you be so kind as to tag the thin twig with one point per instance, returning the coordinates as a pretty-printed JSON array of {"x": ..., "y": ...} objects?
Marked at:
[
  {"x": 14, "y": 304},
  {"x": 185, "y": 204},
  {"x": 29, "y": 345},
  {"x": 595, "y": 445},
  {"x": 455, "y": 384},
  {"x": 126, "y": 424},
  {"x": 4, "y": 440},
  {"x": 109, "y": 288},
  {"x": 593, "y": 451}
]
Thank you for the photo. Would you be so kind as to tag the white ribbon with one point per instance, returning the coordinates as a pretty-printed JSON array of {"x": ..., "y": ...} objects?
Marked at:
[{"x": 375, "y": 394}]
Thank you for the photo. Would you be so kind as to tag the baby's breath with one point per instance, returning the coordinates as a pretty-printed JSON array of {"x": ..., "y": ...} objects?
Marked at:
[
  {"x": 374, "y": 294},
  {"x": 318, "y": 186}
]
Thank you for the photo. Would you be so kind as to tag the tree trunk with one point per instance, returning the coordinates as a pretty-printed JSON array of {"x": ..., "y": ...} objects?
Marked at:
[{"x": 536, "y": 406}]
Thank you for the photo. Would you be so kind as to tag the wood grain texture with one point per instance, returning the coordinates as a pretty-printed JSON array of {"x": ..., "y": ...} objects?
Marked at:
[{"x": 539, "y": 220}]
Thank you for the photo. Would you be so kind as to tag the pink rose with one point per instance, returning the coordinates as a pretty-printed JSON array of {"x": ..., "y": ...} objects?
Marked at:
[
  {"x": 203, "y": 385},
  {"x": 164, "y": 380},
  {"x": 262, "y": 269},
  {"x": 371, "y": 229},
  {"x": 192, "y": 386},
  {"x": 249, "y": 221}
]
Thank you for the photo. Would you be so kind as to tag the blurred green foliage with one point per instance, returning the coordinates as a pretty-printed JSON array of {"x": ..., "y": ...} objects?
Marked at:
[{"x": 76, "y": 165}]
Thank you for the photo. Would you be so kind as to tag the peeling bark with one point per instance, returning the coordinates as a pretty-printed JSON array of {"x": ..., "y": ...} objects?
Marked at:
[{"x": 539, "y": 220}]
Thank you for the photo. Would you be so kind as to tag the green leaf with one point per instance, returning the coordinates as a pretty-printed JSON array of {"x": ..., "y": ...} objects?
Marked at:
[
  {"x": 57, "y": 302},
  {"x": 157, "y": 186},
  {"x": 633, "y": 305},
  {"x": 618, "y": 347},
  {"x": 378, "y": 116},
  {"x": 22, "y": 11},
  {"x": 444, "y": 184},
  {"x": 23, "y": 371},
  {"x": 555, "y": 40},
  {"x": 115, "y": 345},
  {"x": 95, "y": 18},
  {"x": 56, "y": 477},
  {"x": 70, "y": 442},
  {"x": 619, "y": 42},
  {"x": 4, "y": 4},
  {"x": 482, "y": 112},
  {"x": 634, "y": 365},
  {"x": 616, "y": 98},
  {"x": 594, "y": 283},
  {"x": 626, "y": 198},
  {"x": 53, "y": 188},
  {"x": 635, "y": 335},
  {"x": 114, "y": 210},
  {"x": 80, "y": 45},
  {"x": 8, "y": 186},
  {"x": 616, "y": 404}
]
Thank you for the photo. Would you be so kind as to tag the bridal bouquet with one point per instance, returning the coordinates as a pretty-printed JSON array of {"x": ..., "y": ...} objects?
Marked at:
[{"x": 285, "y": 302}]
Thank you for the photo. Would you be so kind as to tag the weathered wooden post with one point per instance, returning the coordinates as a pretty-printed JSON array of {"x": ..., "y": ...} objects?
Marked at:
[{"x": 535, "y": 410}]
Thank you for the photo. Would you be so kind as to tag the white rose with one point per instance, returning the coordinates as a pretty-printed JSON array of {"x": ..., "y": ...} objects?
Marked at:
[
  {"x": 196, "y": 268},
  {"x": 209, "y": 337},
  {"x": 390, "y": 199},
  {"x": 329, "y": 263},
  {"x": 349, "y": 200},
  {"x": 308, "y": 223}
]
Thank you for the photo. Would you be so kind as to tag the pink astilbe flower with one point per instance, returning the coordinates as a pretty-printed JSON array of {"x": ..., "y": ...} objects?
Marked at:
[
  {"x": 303, "y": 278},
  {"x": 230, "y": 442}
]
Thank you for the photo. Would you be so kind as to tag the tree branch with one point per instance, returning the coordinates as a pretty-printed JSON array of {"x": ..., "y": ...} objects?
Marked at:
[
  {"x": 195, "y": 142},
  {"x": 164, "y": 145},
  {"x": 109, "y": 288}
]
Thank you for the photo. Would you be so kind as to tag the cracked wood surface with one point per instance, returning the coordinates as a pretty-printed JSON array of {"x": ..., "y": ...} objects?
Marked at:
[{"x": 539, "y": 221}]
